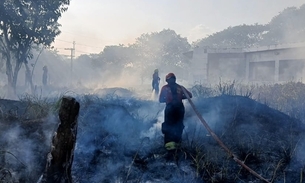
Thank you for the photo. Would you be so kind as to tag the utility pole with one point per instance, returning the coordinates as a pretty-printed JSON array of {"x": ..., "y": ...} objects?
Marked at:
[{"x": 72, "y": 56}]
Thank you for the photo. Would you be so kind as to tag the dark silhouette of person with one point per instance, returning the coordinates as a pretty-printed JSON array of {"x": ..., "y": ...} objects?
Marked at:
[
  {"x": 155, "y": 81},
  {"x": 45, "y": 76},
  {"x": 172, "y": 94}
]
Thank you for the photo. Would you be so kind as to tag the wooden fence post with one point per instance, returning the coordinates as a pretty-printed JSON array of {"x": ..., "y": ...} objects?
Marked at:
[{"x": 60, "y": 159}]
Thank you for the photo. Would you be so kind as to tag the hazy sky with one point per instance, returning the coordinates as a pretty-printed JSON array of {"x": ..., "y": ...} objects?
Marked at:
[{"x": 93, "y": 24}]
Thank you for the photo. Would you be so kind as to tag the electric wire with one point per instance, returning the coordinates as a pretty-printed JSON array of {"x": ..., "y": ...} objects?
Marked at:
[{"x": 78, "y": 44}]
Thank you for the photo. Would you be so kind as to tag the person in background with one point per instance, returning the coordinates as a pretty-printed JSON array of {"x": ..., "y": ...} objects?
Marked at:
[
  {"x": 172, "y": 94},
  {"x": 27, "y": 77},
  {"x": 155, "y": 81},
  {"x": 45, "y": 75}
]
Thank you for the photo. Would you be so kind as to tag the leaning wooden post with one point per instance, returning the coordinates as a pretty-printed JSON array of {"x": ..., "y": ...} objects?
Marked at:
[{"x": 59, "y": 163}]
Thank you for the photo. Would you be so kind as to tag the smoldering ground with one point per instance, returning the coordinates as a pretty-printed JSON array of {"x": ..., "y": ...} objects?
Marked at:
[
  {"x": 119, "y": 140},
  {"x": 23, "y": 148},
  {"x": 113, "y": 131}
]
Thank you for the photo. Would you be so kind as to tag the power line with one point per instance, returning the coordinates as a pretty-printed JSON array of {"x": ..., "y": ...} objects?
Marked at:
[
  {"x": 60, "y": 48},
  {"x": 63, "y": 41},
  {"x": 68, "y": 32},
  {"x": 90, "y": 46},
  {"x": 82, "y": 52},
  {"x": 76, "y": 50},
  {"x": 78, "y": 44}
]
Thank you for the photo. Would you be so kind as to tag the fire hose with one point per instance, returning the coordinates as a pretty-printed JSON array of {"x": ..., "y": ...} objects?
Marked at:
[{"x": 231, "y": 155}]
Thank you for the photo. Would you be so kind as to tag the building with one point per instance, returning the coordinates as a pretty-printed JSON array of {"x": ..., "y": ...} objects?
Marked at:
[{"x": 272, "y": 64}]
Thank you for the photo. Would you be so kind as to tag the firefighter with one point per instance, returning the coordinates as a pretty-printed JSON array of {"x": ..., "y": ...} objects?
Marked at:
[
  {"x": 155, "y": 81},
  {"x": 172, "y": 127}
]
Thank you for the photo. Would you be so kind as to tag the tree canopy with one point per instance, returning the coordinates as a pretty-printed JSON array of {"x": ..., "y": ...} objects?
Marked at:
[
  {"x": 24, "y": 23},
  {"x": 287, "y": 27},
  {"x": 162, "y": 50},
  {"x": 235, "y": 37}
]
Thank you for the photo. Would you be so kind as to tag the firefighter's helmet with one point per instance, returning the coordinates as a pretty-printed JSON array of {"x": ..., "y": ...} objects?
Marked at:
[{"x": 170, "y": 76}]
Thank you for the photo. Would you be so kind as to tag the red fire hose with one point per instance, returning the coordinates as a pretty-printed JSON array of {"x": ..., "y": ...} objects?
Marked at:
[{"x": 219, "y": 141}]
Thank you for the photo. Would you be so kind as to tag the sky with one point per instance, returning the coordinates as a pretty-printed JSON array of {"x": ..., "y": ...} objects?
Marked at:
[{"x": 94, "y": 24}]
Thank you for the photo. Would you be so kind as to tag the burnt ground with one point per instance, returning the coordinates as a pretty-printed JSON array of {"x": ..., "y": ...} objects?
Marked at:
[
  {"x": 268, "y": 141},
  {"x": 114, "y": 146},
  {"x": 25, "y": 136}
]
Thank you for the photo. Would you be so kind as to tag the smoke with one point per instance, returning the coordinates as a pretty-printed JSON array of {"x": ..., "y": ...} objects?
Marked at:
[
  {"x": 200, "y": 31},
  {"x": 115, "y": 132},
  {"x": 81, "y": 76},
  {"x": 25, "y": 147},
  {"x": 111, "y": 132}
]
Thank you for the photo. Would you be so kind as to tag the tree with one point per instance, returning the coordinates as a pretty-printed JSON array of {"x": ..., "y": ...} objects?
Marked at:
[
  {"x": 24, "y": 23},
  {"x": 116, "y": 57},
  {"x": 113, "y": 59},
  {"x": 163, "y": 50},
  {"x": 287, "y": 27},
  {"x": 235, "y": 37}
]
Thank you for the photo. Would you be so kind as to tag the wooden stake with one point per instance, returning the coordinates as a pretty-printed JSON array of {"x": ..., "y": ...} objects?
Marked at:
[{"x": 60, "y": 159}]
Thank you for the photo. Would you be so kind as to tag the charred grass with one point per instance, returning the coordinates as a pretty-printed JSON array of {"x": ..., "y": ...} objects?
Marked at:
[{"x": 269, "y": 152}]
